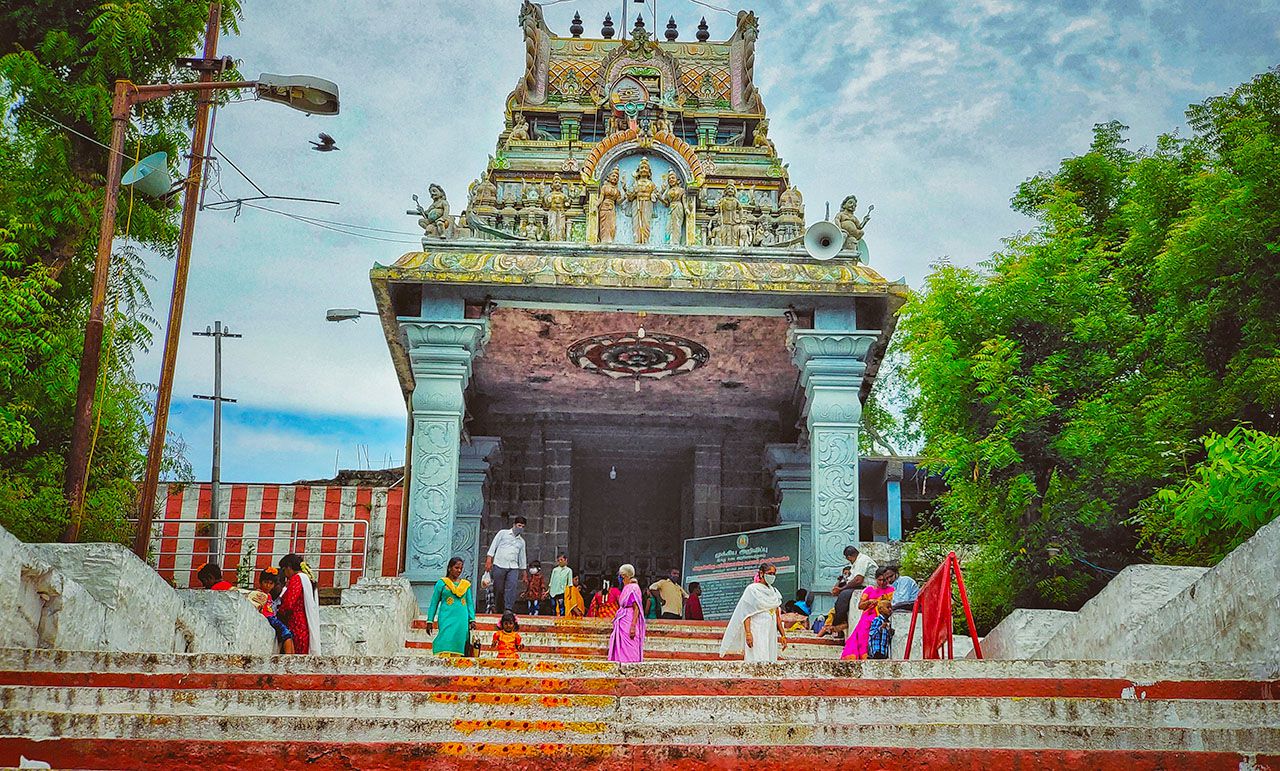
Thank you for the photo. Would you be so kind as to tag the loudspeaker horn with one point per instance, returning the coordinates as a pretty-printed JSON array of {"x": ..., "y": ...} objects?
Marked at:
[
  {"x": 823, "y": 240},
  {"x": 150, "y": 176}
]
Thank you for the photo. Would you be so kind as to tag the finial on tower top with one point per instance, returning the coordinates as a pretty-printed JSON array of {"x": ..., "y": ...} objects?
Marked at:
[
  {"x": 606, "y": 31},
  {"x": 639, "y": 21},
  {"x": 672, "y": 33},
  {"x": 576, "y": 27},
  {"x": 703, "y": 33}
]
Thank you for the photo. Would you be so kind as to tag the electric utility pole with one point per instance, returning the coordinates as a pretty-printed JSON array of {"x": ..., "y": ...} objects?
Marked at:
[{"x": 218, "y": 332}]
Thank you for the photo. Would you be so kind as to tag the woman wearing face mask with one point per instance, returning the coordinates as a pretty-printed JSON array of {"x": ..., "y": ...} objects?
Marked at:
[{"x": 755, "y": 630}]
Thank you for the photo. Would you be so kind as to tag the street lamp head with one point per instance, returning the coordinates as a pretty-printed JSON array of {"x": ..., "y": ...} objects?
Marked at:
[
  {"x": 314, "y": 96},
  {"x": 342, "y": 314}
]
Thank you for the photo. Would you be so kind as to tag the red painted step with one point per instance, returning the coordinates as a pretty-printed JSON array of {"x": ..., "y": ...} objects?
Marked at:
[
  {"x": 144, "y": 755},
  {"x": 527, "y": 677}
]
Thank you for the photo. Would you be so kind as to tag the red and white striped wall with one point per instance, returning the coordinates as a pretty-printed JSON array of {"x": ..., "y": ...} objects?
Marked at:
[{"x": 343, "y": 532}]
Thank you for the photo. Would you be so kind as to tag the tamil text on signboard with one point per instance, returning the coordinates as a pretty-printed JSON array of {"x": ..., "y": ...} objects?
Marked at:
[{"x": 724, "y": 564}]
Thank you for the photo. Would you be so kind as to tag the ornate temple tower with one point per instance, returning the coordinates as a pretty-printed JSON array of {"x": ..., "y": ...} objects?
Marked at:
[{"x": 622, "y": 336}]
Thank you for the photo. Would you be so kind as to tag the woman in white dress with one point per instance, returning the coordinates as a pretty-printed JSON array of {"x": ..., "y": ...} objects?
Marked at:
[{"x": 755, "y": 630}]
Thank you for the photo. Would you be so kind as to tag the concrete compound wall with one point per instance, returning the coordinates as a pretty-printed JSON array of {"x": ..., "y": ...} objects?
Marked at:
[
  {"x": 1231, "y": 614},
  {"x": 1024, "y": 632},
  {"x": 220, "y": 622},
  {"x": 1107, "y": 625},
  {"x": 373, "y": 619},
  {"x": 141, "y": 608},
  {"x": 100, "y": 597}
]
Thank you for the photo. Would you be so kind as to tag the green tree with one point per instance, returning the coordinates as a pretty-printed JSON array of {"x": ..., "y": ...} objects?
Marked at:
[
  {"x": 58, "y": 63},
  {"x": 1071, "y": 376}
]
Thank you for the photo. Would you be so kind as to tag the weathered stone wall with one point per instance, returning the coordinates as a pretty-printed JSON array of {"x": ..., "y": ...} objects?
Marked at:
[
  {"x": 1232, "y": 613},
  {"x": 1108, "y": 625},
  {"x": 141, "y": 608},
  {"x": 221, "y": 622},
  {"x": 100, "y": 597},
  {"x": 1023, "y": 633},
  {"x": 373, "y": 619}
]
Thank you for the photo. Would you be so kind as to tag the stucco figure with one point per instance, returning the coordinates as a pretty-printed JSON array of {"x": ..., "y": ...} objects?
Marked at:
[
  {"x": 760, "y": 138},
  {"x": 729, "y": 211},
  {"x": 607, "y": 211},
  {"x": 519, "y": 130},
  {"x": 435, "y": 220},
  {"x": 673, "y": 196},
  {"x": 557, "y": 202},
  {"x": 642, "y": 196},
  {"x": 848, "y": 221}
]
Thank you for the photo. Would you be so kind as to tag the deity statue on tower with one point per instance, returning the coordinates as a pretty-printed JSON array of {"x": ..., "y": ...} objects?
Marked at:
[
  {"x": 848, "y": 221},
  {"x": 673, "y": 196},
  {"x": 557, "y": 202},
  {"x": 729, "y": 211},
  {"x": 642, "y": 195},
  {"x": 607, "y": 209}
]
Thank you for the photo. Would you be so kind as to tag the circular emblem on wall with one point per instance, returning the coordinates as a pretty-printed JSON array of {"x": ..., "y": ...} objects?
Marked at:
[
  {"x": 743, "y": 541},
  {"x": 626, "y": 355}
]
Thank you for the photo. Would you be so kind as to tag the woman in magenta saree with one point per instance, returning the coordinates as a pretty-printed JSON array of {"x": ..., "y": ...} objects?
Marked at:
[
  {"x": 626, "y": 644},
  {"x": 856, "y": 646}
]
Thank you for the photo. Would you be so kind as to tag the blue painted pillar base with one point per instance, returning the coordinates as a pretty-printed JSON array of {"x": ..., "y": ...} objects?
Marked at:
[{"x": 440, "y": 354}]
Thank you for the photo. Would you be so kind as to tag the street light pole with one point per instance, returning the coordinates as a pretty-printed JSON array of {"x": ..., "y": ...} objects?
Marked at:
[
  {"x": 190, "y": 197},
  {"x": 301, "y": 92},
  {"x": 217, "y": 553}
]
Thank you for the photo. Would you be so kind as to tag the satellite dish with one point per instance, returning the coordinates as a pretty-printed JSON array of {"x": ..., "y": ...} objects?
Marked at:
[
  {"x": 823, "y": 240},
  {"x": 150, "y": 176}
]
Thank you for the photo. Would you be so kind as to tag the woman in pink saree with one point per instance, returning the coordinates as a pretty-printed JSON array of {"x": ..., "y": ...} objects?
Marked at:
[
  {"x": 856, "y": 646},
  {"x": 626, "y": 644}
]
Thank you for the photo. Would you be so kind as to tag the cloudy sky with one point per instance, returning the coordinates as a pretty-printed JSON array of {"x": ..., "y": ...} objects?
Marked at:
[{"x": 933, "y": 110}]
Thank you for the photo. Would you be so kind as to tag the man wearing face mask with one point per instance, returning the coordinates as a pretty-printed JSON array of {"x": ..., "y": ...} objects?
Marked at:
[{"x": 505, "y": 563}]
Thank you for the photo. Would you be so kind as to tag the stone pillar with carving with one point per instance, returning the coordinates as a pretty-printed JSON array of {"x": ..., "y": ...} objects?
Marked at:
[
  {"x": 832, "y": 364},
  {"x": 474, "y": 460},
  {"x": 793, "y": 491},
  {"x": 440, "y": 354}
]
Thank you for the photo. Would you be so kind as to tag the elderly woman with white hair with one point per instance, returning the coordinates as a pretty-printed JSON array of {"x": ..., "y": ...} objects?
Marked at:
[{"x": 626, "y": 644}]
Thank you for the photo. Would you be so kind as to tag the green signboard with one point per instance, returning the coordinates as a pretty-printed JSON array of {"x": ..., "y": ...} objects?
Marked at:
[{"x": 725, "y": 564}]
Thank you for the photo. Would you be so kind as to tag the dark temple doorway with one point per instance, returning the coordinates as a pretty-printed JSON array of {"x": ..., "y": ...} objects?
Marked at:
[{"x": 628, "y": 510}]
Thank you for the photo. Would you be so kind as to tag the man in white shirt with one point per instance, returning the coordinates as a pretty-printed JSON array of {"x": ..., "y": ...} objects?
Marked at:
[
  {"x": 505, "y": 563},
  {"x": 862, "y": 572}
]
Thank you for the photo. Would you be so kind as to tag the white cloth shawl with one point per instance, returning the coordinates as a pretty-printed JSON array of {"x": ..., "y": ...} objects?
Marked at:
[
  {"x": 312, "y": 606},
  {"x": 758, "y": 598}
]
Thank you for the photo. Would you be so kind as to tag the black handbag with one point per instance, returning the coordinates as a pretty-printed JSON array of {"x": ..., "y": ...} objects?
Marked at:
[{"x": 473, "y": 646}]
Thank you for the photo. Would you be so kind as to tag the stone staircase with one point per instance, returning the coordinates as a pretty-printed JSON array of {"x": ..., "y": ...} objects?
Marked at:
[
  {"x": 551, "y": 638},
  {"x": 112, "y": 710}
]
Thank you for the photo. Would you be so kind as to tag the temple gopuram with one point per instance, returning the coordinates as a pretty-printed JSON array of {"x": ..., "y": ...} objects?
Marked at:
[{"x": 622, "y": 334}]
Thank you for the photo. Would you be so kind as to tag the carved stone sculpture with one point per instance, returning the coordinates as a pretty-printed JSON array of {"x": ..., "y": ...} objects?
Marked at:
[
  {"x": 607, "y": 210},
  {"x": 673, "y": 196},
  {"x": 519, "y": 131},
  {"x": 848, "y": 221},
  {"x": 642, "y": 196},
  {"x": 760, "y": 138},
  {"x": 484, "y": 193},
  {"x": 729, "y": 212},
  {"x": 557, "y": 203},
  {"x": 435, "y": 220}
]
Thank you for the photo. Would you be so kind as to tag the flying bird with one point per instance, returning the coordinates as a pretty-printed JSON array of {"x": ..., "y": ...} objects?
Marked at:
[{"x": 325, "y": 144}]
